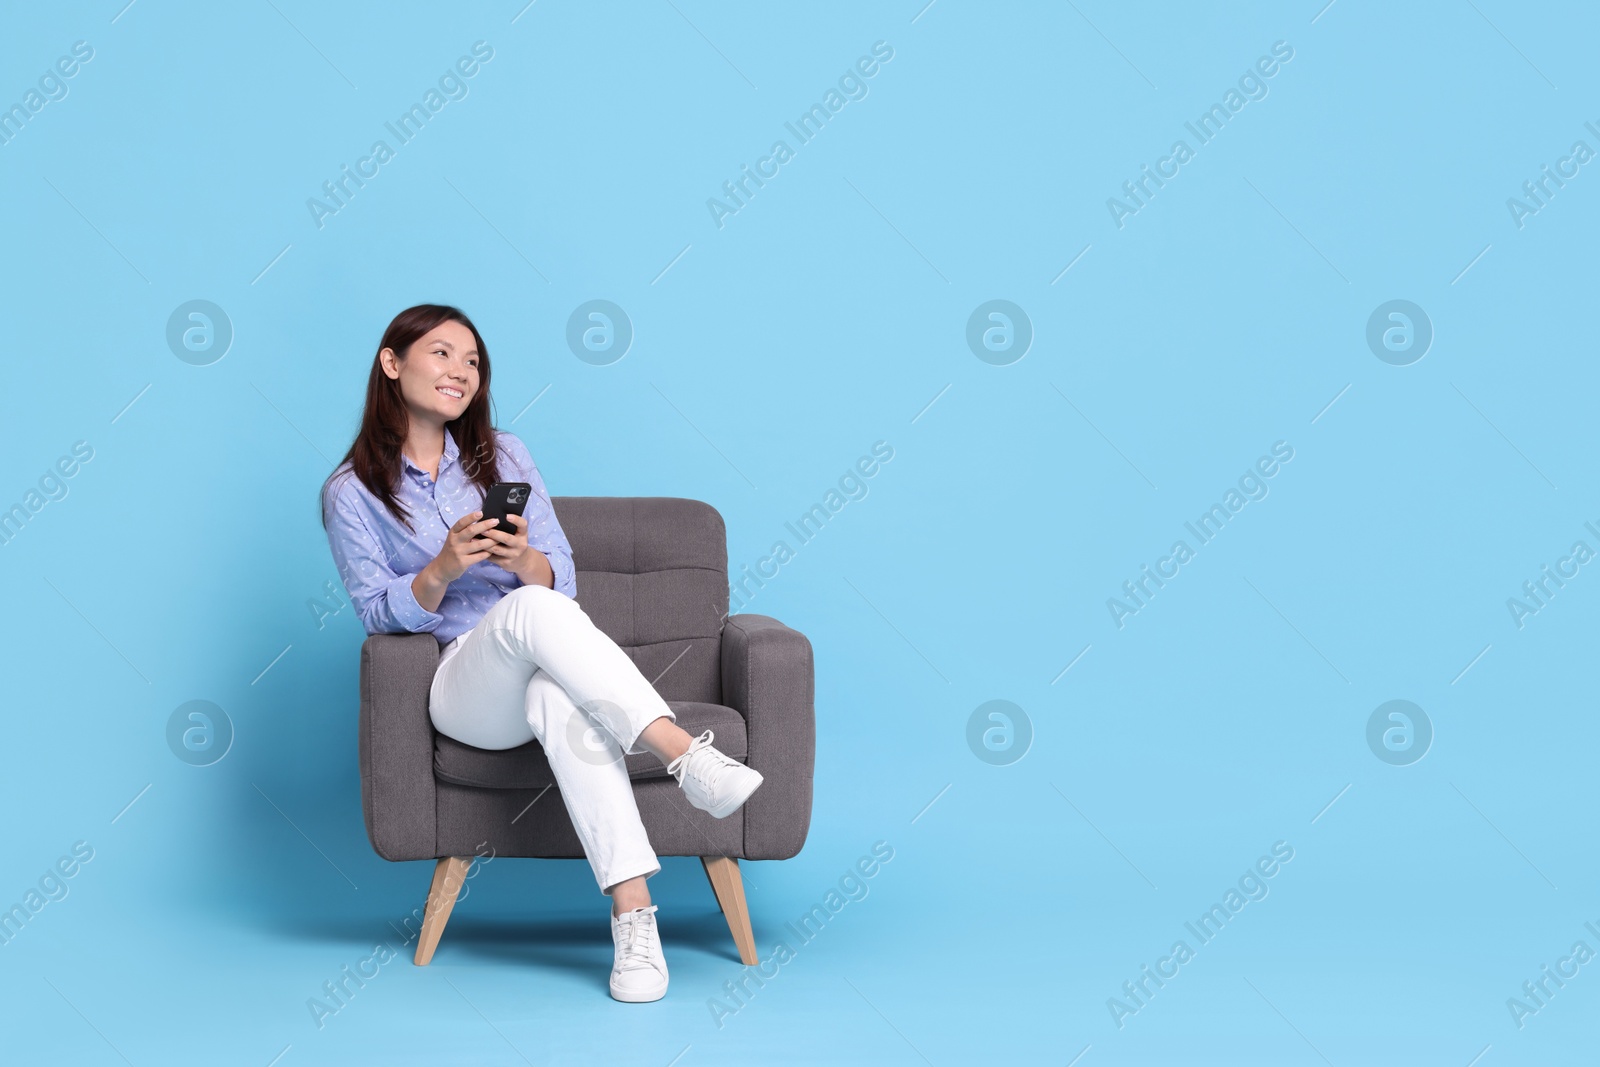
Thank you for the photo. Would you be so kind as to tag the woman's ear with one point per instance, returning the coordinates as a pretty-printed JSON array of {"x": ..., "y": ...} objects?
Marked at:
[{"x": 390, "y": 365}]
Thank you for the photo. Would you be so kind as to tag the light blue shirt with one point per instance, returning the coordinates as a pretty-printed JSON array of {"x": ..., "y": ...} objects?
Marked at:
[{"x": 378, "y": 557}]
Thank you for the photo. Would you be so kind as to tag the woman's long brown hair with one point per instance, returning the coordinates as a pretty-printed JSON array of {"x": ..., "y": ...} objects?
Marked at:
[{"x": 374, "y": 456}]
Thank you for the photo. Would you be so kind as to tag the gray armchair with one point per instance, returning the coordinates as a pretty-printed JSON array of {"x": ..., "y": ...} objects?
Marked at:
[{"x": 653, "y": 575}]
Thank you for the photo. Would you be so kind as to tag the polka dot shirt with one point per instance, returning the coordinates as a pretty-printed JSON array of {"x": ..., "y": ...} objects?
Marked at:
[{"x": 377, "y": 557}]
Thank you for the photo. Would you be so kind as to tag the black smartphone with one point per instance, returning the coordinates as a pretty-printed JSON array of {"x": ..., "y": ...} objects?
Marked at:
[{"x": 506, "y": 498}]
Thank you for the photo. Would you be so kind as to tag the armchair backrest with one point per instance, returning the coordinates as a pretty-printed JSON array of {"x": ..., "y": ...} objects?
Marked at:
[{"x": 653, "y": 575}]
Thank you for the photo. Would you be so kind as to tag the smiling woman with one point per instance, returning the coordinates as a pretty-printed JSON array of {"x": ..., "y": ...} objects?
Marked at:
[
  {"x": 405, "y": 535},
  {"x": 519, "y": 659},
  {"x": 445, "y": 363},
  {"x": 440, "y": 364}
]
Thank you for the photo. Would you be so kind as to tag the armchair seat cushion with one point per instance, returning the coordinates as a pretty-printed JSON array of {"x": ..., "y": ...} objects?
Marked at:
[{"x": 527, "y": 767}]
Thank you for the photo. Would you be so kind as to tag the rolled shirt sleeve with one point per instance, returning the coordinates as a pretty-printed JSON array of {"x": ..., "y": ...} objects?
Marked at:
[
  {"x": 383, "y": 599},
  {"x": 544, "y": 529}
]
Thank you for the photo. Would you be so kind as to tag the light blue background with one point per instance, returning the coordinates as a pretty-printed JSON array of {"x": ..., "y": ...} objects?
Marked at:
[{"x": 824, "y": 316}]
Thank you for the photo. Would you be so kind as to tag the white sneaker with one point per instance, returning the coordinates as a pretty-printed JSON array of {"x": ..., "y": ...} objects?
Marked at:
[
  {"x": 713, "y": 782},
  {"x": 639, "y": 974}
]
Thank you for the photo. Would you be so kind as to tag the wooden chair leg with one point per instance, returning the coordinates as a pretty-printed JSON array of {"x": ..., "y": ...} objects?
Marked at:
[
  {"x": 723, "y": 872},
  {"x": 449, "y": 874}
]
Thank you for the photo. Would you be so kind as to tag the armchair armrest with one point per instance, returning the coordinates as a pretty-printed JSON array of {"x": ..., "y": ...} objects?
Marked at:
[
  {"x": 396, "y": 744},
  {"x": 769, "y": 677}
]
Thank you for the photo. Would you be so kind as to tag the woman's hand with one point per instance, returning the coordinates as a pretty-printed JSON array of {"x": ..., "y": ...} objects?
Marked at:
[
  {"x": 464, "y": 545},
  {"x": 512, "y": 552}
]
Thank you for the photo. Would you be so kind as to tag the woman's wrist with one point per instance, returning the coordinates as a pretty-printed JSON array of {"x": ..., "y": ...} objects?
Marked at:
[
  {"x": 537, "y": 570},
  {"x": 428, "y": 587}
]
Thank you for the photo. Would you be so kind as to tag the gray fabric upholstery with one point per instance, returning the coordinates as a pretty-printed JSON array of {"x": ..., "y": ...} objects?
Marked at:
[
  {"x": 528, "y": 768},
  {"x": 768, "y": 674},
  {"x": 653, "y": 575},
  {"x": 472, "y": 821},
  {"x": 396, "y": 743}
]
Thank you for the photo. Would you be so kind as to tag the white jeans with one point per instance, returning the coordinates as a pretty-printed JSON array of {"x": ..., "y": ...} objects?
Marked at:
[{"x": 535, "y": 667}]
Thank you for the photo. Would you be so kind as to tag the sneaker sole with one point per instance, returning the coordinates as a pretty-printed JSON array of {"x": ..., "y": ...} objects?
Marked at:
[
  {"x": 634, "y": 996},
  {"x": 735, "y": 802}
]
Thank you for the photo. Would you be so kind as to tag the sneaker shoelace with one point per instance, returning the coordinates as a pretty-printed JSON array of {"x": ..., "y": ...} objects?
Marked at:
[
  {"x": 707, "y": 774},
  {"x": 639, "y": 940}
]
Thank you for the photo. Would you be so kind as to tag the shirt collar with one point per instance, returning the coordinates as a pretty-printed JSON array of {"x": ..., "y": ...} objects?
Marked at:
[{"x": 449, "y": 456}]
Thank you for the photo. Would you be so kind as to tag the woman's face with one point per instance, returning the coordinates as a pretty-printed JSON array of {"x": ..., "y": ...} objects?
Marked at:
[{"x": 439, "y": 376}]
